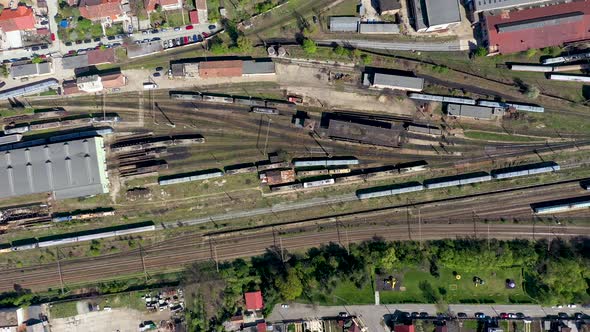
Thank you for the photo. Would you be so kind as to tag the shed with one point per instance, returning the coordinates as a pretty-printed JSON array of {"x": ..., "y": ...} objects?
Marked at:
[
  {"x": 344, "y": 24},
  {"x": 254, "y": 300},
  {"x": 379, "y": 28}
]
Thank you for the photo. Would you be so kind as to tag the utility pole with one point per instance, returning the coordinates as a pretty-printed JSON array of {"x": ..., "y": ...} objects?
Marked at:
[
  {"x": 145, "y": 275},
  {"x": 267, "y": 131},
  {"x": 61, "y": 279}
]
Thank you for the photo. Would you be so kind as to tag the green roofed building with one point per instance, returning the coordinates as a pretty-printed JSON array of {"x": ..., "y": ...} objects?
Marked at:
[{"x": 67, "y": 169}]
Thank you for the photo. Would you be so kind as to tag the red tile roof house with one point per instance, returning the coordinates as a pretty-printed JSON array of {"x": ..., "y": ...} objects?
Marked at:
[
  {"x": 254, "y": 300},
  {"x": 102, "y": 10},
  {"x": 150, "y": 5},
  {"x": 21, "y": 18},
  {"x": 551, "y": 25}
]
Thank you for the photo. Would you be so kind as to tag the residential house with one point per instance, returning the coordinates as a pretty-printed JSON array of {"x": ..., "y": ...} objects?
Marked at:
[
  {"x": 434, "y": 15},
  {"x": 388, "y": 7},
  {"x": 31, "y": 69},
  {"x": 201, "y": 6},
  {"x": 13, "y": 23},
  {"x": 550, "y": 25},
  {"x": 151, "y": 5},
  {"x": 106, "y": 11},
  {"x": 90, "y": 83},
  {"x": 254, "y": 300}
]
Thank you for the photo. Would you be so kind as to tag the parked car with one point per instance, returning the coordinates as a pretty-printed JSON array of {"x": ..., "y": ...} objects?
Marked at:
[
  {"x": 97, "y": 39},
  {"x": 52, "y": 36},
  {"x": 185, "y": 39},
  {"x": 71, "y": 52},
  {"x": 415, "y": 314},
  {"x": 284, "y": 306},
  {"x": 159, "y": 68},
  {"x": 461, "y": 315},
  {"x": 78, "y": 42},
  {"x": 35, "y": 48},
  {"x": 563, "y": 315},
  {"x": 423, "y": 314},
  {"x": 164, "y": 30},
  {"x": 212, "y": 27},
  {"x": 200, "y": 38},
  {"x": 144, "y": 32},
  {"x": 520, "y": 315},
  {"x": 111, "y": 38},
  {"x": 189, "y": 27},
  {"x": 155, "y": 31},
  {"x": 146, "y": 40},
  {"x": 205, "y": 35},
  {"x": 156, "y": 38},
  {"x": 178, "y": 41},
  {"x": 578, "y": 315},
  {"x": 68, "y": 43},
  {"x": 195, "y": 39},
  {"x": 44, "y": 47},
  {"x": 343, "y": 314},
  {"x": 479, "y": 315},
  {"x": 571, "y": 305},
  {"x": 177, "y": 29},
  {"x": 157, "y": 75},
  {"x": 115, "y": 44},
  {"x": 511, "y": 315}
]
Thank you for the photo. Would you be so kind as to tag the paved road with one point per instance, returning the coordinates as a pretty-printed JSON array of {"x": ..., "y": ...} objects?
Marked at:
[
  {"x": 372, "y": 315},
  {"x": 448, "y": 46}
]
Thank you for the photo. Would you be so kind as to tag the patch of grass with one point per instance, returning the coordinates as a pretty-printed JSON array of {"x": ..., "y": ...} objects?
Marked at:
[
  {"x": 48, "y": 93},
  {"x": 63, "y": 309},
  {"x": 489, "y": 136},
  {"x": 345, "y": 8},
  {"x": 16, "y": 111}
]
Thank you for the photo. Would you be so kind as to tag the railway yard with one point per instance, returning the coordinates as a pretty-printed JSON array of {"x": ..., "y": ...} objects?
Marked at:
[{"x": 227, "y": 171}]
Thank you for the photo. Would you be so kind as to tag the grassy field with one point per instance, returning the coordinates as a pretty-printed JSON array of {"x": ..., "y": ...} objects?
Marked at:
[
  {"x": 63, "y": 309},
  {"x": 450, "y": 289},
  {"x": 489, "y": 136}
]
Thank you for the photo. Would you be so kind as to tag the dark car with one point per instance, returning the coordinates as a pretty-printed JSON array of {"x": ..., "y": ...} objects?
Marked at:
[
  {"x": 157, "y": 75},
  {"x": 35, "y": 48},
  {"x": 200, "y": 38},
  {"x": 195, "y": 39},
  {"x": 343, "y": 314},
  {"x": 212, "y": 27},
  {"x": 97, "y": 39},
  {"x": 87, "y": 41},
  {"x": 159, "y": 68},
  {"x": 415, "y": 314},
  {"x": 563, "y": 315},
  {"x": 155, "y": 31},
  {"x": 520, "y": 315},
  {"x": 111, "y": 37},
  {"x": 44, "y": 47},
  {"x": 68, "y": 43},
  {"x": 462, "y": 315},
  {"x": 423, "y": 314},
  {"x": 78, "y": 42},
  {"x": 479, "y": 315},
  {"x": 578, "y": 315}
]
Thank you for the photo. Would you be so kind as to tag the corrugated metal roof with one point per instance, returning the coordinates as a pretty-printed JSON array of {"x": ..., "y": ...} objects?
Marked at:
[
  {"x": 471, "y": 111},
  {"x": 481, "y": 5},
  {"x": 397, "y": 81},
  {"x": 379, "y": 28},
  {"x": 418, "y": 15},
  {"x": 442, "y": 12},
  {"x": 71, "y": 169},
  {"x": 537, "y": 37},
  {"x": 252, "y": 67},
  {"x": 540, "y": 22},
  {"x": 344, "y": 24}
]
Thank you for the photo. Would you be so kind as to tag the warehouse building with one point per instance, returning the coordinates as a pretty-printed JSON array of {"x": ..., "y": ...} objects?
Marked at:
[
  {"x": 344, "y": 24},
  {"x": 31, "y": 70},
  {"x": 395, "y": 82},
  {"x": 379, "y": 28},
  {"x": 374, "y": 133},
  {"x": 258, "y": 68},
  {"x": 434, "y": 15},
  {"x": 388, "y": 7},
  {"x": 214, "y": 69},
  {"x": 472, "y": 111},
  {"x": 68, "y": 169},
  {"x": 487, "y": 5},
  {"x": 550, "y": 25}
]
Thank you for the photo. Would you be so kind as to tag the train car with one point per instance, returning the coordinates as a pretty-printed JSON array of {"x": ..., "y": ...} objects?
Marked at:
[
  {"x": 566, "y": 58},
  {"x": 141, "y": 229},
  {"x": 374, "y": 194},
  {"x": 395, "y": 190},
  {"x": 494, "y": 104},
  {"x": 534, "y": 68},
  {"x": 242, "y": 170},
  {"x": 569, "y": 78},
  {"x": 96, "y": 236},
  {"x": 458, "y": 100},
  {"x": 50, "y": 243},
  {"x": 62, "y": 219},
  {"x": 526, "y": 108},
  {"x": 279, "y": 104},
  {"x": 16, "y": 130},
  {"x": 351, "y": 178},
  {"x": 339, "y": 171},
  {"x": 318, "y": 183},
  {"x": 27, "y": 246},
  {"x": 186, "y": 96},
  {"x": 565, "y": 205},
  {"x": 286, "y": 187},
  {"x": 457, "y": 180},
  {"x": 524, "y": 170},
  {"x": 475, "y": 179},
  {"x": 422, "y": 96},
  {"x": 314, "y": 172},
  {"x": 342, "y": 161},
  {"x": 218, "y": 99},
  {"x": 283, "y": 164},
  {"x": 552, "y": 61},
  {"x": 265, "y": 110},
  {"x": 206, "y": 176}
]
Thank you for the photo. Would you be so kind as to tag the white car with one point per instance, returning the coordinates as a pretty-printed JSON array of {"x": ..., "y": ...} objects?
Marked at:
[
  {"x": 284, "y": 306},
  {"x": 559, "y": 306},
  {"x": 571, "y": 305}
]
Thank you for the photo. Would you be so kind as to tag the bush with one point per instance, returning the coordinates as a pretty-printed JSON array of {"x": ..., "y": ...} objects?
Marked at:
[
  {"x": 366, "y": 59},
  {"x": 341, "y": 51},
  {"x": 441, "y": 69},
  {"x": 309, "y": 46},
  {"x": 531, "y": 52},
  {"x": 532, "y": 91},
  {"x": 481, "y": 51}
]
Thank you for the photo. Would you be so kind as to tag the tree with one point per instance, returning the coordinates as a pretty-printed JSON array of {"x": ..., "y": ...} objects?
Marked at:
[
  {"x": 340, "y": 51},
  {"x": 289, "y": 287},
  {"x": 309, "y": 46},
  {"x": 244, "y": 44},
  {"x": 531, "y": 52},
  {"x": 564, "y": 279},
  {"x": 366, "y": 59},
  {"x": 84, "y": 24},
  {"x": 481, "y": 51},
  {"x": 388, "y": 259},
  {"x": 532, "y": 91}
]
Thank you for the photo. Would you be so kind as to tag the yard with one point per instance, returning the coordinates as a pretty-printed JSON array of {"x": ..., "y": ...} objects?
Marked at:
[
  {"x": 419, "y": 284},
  {"x": 169, "y": 18}
]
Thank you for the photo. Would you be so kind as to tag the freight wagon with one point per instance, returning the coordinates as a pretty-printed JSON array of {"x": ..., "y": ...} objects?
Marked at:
[
  {"x": 16, "y": 130},
  {"x": 394, "y": 190},
  {"x": 565, "y": 205},
  {"x": 265, "y": 110},
  {"x": 569, "y": 78},
  {"x": 523, "y": 170},
  {"x": 318, "y": 183},
  {"x": 218, "y": 99},
  {"x": 534, "y": 68},
  {"x": 451, "y": 181}
]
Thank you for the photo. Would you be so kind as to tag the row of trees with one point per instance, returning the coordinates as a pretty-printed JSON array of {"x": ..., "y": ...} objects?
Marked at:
[{"x": 557, "y": 275}]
